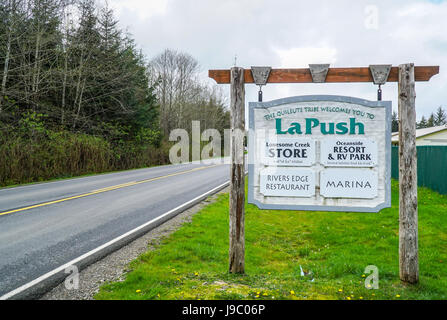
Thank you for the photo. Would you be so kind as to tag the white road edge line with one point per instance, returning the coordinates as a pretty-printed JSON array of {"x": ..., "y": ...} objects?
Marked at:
[{"x": 74, "y": 261}]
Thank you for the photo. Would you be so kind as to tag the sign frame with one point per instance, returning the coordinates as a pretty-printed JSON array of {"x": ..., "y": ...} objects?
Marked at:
[{"x": 387, "y": 105}]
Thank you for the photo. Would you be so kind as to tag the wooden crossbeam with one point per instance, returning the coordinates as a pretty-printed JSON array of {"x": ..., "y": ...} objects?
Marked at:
[{"x": 422, "y": 73}]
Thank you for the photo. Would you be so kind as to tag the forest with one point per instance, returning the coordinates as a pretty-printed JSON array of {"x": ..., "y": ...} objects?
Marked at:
[{"x": 77, "y": 95}]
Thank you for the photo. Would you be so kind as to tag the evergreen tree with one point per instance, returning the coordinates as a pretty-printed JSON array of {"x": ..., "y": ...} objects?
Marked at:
[
  {"x": 422, "y": 124},
  {"x": 440, "y": 117},
  {"x": 68, "y": 60},
  {"x": 431, "y": 121}
]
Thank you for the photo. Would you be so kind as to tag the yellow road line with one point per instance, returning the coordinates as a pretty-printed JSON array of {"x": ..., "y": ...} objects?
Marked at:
[
  {"x": 119, "y": 186},
  {"x": 114, "y": 187}
]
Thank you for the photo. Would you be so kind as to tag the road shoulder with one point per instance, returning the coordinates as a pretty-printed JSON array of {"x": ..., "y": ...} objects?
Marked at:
[{"x": 114, "y": 267}]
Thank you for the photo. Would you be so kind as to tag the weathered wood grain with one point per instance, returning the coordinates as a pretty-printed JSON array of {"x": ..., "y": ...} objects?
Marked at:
[
  {"x": 408, "y": 198},
  {"x": 237, "y": 173},
  {"x": 422, "y": 73}
]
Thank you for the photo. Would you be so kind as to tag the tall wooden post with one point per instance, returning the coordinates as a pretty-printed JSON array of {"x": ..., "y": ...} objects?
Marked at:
[
  {"x": 408, "y": 198},
  {"x": 237, "y": 173}
]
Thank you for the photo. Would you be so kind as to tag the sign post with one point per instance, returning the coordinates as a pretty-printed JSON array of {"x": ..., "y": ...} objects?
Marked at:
[
  {"x": 408, "y": 192},
  {"x": 237, "y": 172},
  {"x": 406, "y": 75}
]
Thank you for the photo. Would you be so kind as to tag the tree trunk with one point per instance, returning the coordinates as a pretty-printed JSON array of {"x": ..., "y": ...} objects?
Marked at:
[
  {"x": 6, "y": 62},
  {"x": 79, "y": 104},
  {"x": 36, "y": 62},
  {"x": 5, "y": 70},
  {"x": 76, "y": 104},
  {"x": 64, "y": 88}
]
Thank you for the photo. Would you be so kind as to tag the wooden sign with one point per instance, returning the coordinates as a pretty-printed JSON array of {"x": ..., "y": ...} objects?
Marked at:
[
  {"x": 343, "y": 153},
  {"x": 321, "y": 153}
]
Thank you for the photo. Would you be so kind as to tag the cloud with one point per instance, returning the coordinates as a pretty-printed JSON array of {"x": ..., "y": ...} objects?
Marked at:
[
  {"x": 302, "y": 57},
  {"x": 290, "y": 33},
  {"x": 142, "y": 9}
]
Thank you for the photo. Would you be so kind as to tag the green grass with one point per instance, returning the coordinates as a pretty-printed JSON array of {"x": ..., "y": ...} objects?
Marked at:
[{"x": 192, "y": 263}]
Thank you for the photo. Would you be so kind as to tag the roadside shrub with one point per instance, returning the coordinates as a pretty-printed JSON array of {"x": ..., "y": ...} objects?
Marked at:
[{"x": 29, "y": 152}]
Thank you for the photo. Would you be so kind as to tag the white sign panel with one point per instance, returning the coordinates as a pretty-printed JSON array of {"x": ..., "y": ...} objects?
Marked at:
[
  {"x": 289, "y": 152},
  {"x": 287, "y": 182},
  {"x": 349, "y": 183},
  {"x": 320, "y": 153},
  {"x": 344, "y": 152}
]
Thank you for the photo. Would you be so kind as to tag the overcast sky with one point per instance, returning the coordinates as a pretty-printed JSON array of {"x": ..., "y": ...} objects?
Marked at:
[{"x": 294, "y": 33}]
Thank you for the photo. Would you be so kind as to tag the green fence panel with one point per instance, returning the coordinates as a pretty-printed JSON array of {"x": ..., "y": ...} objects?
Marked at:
[
  {"x": 432, "y": 167},
  {"x": 395, "y": 163}
]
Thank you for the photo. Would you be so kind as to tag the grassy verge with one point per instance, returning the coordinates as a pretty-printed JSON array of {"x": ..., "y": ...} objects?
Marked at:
[{"x": 333, "y": 248}]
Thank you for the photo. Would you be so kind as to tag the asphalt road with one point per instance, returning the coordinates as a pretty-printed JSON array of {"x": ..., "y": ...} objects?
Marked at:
[{"x": 46, "y": 225}]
